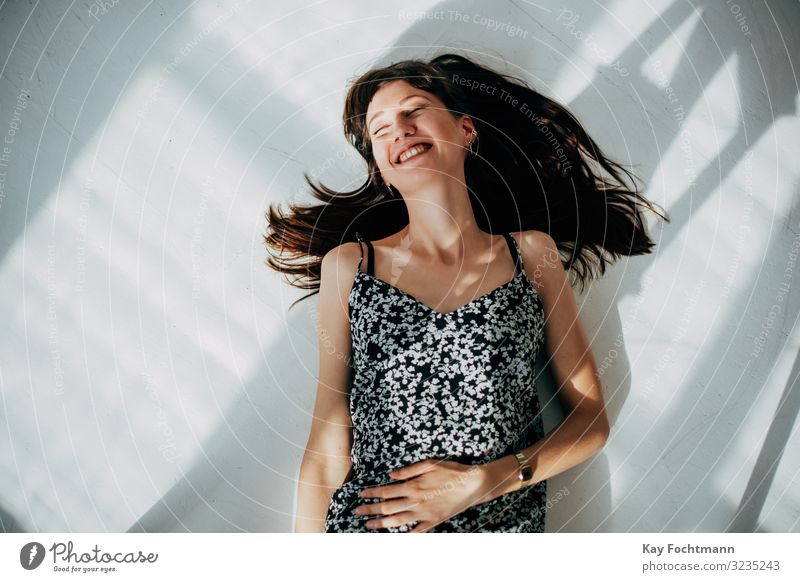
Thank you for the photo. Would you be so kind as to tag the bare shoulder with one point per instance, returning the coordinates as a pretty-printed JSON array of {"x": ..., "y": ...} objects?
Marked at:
[
  {"x": 540, "y": 257},
  {"x": 535, "y": 241},
  {"x": 338, "y": 269},
  {"x": 345, "y": 256}
]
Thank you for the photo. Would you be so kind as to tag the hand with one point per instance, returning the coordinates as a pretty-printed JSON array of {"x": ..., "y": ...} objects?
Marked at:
[{"x": 434, "y": 491}]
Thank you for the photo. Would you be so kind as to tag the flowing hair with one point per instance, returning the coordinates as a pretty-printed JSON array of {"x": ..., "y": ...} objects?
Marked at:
[{"x": 537, "y": 169}]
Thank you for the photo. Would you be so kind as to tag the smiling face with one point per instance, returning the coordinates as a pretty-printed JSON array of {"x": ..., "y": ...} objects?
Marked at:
[{"x": 399, "y": 116}]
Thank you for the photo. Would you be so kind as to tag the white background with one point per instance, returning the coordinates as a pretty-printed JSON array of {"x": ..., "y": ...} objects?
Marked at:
[{"x": 152, "y": 378}]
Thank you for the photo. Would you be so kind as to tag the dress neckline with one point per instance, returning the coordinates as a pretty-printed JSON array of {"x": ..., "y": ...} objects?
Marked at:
[{"x": 430, "y": 309}]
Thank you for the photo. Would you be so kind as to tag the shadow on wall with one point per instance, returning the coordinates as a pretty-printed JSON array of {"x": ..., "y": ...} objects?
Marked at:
[
  {"x": 8, "y": 523},
  {"x": 244, "y": 478},
  {"x": 274, "y": 421}
]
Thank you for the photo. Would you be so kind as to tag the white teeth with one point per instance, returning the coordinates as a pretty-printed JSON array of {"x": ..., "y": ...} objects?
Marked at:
[{"x": 417, "y": 149}]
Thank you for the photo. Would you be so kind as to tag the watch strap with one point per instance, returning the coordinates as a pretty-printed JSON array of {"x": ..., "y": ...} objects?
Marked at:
[{"x": 525, "y": 474}]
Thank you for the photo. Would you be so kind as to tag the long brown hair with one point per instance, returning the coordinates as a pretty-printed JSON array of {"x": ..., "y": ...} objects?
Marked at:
[{"x": 537, "y": 169}]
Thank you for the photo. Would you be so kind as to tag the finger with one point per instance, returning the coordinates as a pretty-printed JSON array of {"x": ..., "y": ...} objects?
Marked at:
[
  {"x": 412, "y": 470},
  {"x": 386, "y": 491},
  {"x": 395, "y": 520},
  {"x": 384, "y": 507}
]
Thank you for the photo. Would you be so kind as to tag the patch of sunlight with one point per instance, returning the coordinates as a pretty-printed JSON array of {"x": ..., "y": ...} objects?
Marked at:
[
  {"x": 171, "y": 236},
  {"x": 134, "y": 354},
  {"x": 597, "y": 42},
  {"x": 293, "y": 67},
  {"x": 661, "y": 66},
  {"x": 701, "y": 132},
  {"x": 721, "y": 259},
  {"x": 734, "y": 470}
]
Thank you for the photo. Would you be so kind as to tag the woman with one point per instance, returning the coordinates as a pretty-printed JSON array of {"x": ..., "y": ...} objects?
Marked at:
[{"x": 427, "y": 417}]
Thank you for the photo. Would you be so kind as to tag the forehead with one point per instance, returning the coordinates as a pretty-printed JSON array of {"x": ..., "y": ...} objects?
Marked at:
[{"x": 391, "y": 95}]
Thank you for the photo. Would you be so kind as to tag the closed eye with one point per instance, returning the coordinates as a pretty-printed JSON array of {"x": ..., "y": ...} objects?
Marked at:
[{"x": 407, "y": 115}]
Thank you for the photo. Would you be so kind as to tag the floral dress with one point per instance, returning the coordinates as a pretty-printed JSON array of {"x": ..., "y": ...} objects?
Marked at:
[{"x": 455, "y": 385}]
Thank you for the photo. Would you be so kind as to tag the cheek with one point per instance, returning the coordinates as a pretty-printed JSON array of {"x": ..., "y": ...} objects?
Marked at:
[
  {"x": 381, "y": 159},
  {"x": 381, "y": 153}
]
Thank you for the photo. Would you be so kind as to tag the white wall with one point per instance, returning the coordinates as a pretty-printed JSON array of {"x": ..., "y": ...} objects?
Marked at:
[{"x": 151, "y": 376}]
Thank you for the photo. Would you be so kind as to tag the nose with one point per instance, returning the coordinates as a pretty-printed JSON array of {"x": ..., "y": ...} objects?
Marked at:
[{"x": 402, "y": 128}]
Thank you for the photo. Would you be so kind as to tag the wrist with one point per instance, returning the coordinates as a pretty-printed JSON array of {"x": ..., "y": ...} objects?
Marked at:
[{"x": 499, "y": 477}]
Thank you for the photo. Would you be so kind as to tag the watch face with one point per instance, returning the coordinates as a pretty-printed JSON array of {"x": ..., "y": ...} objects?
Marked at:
[{"x": 525, "y": 470}]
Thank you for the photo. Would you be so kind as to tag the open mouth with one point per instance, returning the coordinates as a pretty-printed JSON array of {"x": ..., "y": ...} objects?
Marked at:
[{"x": 413, "y": 152}]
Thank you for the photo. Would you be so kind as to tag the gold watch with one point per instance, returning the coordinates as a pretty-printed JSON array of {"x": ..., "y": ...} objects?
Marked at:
[{"x": 525, "y": 475}]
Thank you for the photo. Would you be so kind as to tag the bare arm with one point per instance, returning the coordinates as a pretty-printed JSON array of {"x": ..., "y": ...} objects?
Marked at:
[
  {"x": 326, "y": 461},
  {"x": 585, "y": 429}
]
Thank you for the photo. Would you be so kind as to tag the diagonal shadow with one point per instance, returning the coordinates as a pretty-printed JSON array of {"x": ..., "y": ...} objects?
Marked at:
[
  {"x": 780, "y": 432},
  {"x": 783, "y": 97},
  {"x": 239, "y": 484}
]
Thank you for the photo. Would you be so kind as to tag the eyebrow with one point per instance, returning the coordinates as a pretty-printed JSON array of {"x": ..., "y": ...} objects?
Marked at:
[{"x": 406, "y": 98}]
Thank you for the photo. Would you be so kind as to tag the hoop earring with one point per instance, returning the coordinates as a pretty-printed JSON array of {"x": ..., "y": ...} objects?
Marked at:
[{"x": 474, "y": 136}]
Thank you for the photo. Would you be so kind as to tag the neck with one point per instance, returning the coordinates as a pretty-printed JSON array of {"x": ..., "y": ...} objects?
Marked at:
[{"x": 442, "y": 223}]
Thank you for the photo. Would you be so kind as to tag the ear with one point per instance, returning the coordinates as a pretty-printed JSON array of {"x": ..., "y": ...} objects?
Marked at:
[{"x": 467, "y": 126}]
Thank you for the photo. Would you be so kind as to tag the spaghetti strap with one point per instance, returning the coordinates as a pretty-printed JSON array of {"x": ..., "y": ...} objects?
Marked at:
[
  {"x": 515, "y": 254},
  {"x": 360, "y": 248},
  {"x": 370, "y": 253},
  {"x": 370, "y": 259}
]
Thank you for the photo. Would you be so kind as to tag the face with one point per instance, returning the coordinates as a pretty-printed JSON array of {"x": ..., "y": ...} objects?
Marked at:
[{"x": 400, "y": 115}]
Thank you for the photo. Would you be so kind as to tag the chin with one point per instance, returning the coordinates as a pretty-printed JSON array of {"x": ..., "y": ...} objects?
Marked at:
[{"x": 418, "y": 182}]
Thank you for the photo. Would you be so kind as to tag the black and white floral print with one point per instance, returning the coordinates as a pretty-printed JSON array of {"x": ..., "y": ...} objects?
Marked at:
[{"x": 455, "y": 385}]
